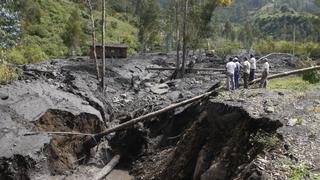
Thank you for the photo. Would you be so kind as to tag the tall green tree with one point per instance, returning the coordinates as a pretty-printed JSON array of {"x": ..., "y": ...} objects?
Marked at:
[
  {"x": 10, "y": 28},
  {"x": 148, "y": 23},
  {"x": 197, "y": 14},
  {"x": 93, "y": 35},
  {"x": 73, "y": 33},
  {"x": 246, "y": 36}
]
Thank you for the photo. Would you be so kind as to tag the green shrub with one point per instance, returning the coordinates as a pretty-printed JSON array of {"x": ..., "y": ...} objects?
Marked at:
[
  {"x": 7, "y": 74},
  {"x": 34, "y": 54},
  {"x": 300, "y": 171},
  {"x": 15, "y": 56},
  {"x": 26, "y": 55},
  {"x": 309, "y": 49},
  {"x": 312, "y": 77},
  {"x": 225, "y": 48}
]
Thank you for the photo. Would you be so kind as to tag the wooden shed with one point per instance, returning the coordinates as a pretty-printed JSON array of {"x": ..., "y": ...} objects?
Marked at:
[{"x": 112, "y": 51}]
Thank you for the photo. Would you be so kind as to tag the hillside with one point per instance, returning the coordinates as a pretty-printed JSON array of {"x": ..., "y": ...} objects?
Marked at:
[{"x": 41, "y": 30}]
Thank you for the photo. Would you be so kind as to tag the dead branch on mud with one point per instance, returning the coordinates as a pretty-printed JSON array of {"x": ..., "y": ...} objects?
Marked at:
[
  {"x": 190, "y": 69},
  {"x": 288, "y": 73},
  {"x": 274, "y": 54},
  {"x": 108, "y": 168},
  {"x": 193, "y": 69},
  {"x": 58, "y": 133}
]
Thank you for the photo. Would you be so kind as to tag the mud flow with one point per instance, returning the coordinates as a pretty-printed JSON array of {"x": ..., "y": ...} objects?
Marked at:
[{"x": 204, "y": 141}]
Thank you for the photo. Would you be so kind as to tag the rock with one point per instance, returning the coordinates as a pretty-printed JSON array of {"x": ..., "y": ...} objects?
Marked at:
[
  {"x": 160, "y": 89},
  {"x": 299, "y": 108},
  {"x": 148, "y": 84},
  {"x": 4, "y": 96},
  {"x": 124, "y": 96},
  {"x": 85, "y": 102},
  {"x": 317, "y": 101},
  {"x": 111, "y": 90},
  {"x": 174, "y": 95},
  {"x": 269, "y": 109},
  {"x": 292, "y": 122}
]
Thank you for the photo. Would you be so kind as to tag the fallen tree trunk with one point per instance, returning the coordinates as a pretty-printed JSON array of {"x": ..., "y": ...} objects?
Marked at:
[
  {"x": 92, "y": 141},
  {"x": 195, "y": 69},
  {"x": 274, "y": 54},
  {"x": 288, "y": 73},
  {"x": 108, "y": 168},
  {"x": 187, "y": 69}
]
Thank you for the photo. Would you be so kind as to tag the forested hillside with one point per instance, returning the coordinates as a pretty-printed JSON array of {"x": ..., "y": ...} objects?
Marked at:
[{"x": 36, "y": 30}]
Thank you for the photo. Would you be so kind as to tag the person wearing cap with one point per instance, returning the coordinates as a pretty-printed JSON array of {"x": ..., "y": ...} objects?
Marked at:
[
  {"x": 246, "y": 72},
  {"x": 253, "y": 67},
  {"x": 230, "y": 68},
  {"x": 237, "y": 72},
  {"x": 265, "y": 73}
]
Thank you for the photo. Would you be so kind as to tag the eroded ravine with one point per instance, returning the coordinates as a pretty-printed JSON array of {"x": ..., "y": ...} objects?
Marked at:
[
  {"x": 217, "y": 142},
  {"x": 206, "y": 140},
  {"x": 64, "y": 151}
]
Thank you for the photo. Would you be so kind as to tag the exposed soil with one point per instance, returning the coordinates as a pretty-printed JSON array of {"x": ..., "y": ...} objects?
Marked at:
[
  {"x": 64, "y": 152},
  {"x": 217, "y": 144}
]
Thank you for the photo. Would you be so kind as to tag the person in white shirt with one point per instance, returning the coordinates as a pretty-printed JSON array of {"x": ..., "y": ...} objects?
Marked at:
[
  {"x": 265, "y": 73},
  {"x": 253, "y": 67},
  {"x": 246, "y": 72},
  {"x": 230, "y": 68},
  {"x": 237, "y": 72}
]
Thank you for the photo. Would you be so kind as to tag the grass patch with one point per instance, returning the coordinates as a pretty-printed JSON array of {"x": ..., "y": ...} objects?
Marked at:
[
  {"x": 7, "y": 74},
  {"x": 316, "y": 109},
  {"x": 299, "y": 171},
  {"x": 266, "y": 140},
  {"x": 300, "y": 121},
  {"x": 291, "y": 83}
]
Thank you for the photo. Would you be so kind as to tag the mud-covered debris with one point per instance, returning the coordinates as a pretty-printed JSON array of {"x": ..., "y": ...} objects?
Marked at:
[
  {"x": 4, "y": 96},
  {"x": 100, "y": 155},
  {"x": 269, "y": 109},
  {"x": 292, "y": 121},
  {"x": 160, "y": 88}
]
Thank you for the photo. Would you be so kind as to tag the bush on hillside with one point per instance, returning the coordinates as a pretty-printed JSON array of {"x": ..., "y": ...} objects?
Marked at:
[
  {"x": 309, "y": 49},
  {"x": 15, "y": 56},
  {"x": 7, "y": 74},
  {"x": 225, "y": 48},
  {"x": 34, "y": 54},
  {"x": 310, "y": 76},
  {"x": 27, "y": 55}
]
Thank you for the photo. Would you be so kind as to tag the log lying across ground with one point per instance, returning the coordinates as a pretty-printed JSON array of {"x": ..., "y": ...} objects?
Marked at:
[
  {"x": 193, "y": 69},
  {"x": 271, "y": 54},
  {"x": 108, "y": 168},
  {"x": 93, "y": 140},
  {"x": 298, "y": 71},
  {"x": 187, "y": 69}
]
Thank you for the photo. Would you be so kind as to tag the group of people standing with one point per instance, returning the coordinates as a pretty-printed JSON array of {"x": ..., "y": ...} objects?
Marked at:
[{"x": 234, "y": 68}]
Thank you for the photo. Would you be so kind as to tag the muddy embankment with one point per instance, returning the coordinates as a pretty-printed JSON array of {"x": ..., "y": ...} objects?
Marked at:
[{"x": 205, "y": 141}]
